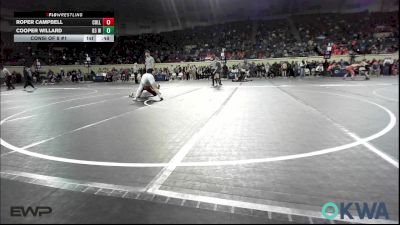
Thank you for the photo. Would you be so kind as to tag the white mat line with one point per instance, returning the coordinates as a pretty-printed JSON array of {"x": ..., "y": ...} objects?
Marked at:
[
  {"x": 348, "y": 132},
  {"x": 7, "y": 153},
  {"x": 72, "y": 131},
  {"x": 161, "y": 177},
  {"x": 374, "y": 92},
  {"x": 54, "y": 180},
  {"x": 378, "y": 152},
  {"x": 21, "y": 118},
  {"x": 50, "y": 98},
  {"x": 77, "y": 106},
  {"x": 263, "y": 207}
]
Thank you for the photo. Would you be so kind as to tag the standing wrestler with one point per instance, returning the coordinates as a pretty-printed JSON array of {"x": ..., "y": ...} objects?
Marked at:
[
  {"x": 363, "y": 69},
  {"x": 351, "y": 70},
  {"x": 28, "y": 78},
  {"x": 216, "y": 71}
]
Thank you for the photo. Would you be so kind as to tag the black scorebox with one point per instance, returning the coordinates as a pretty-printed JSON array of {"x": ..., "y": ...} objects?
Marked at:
[{"x": 42, "y": 26}]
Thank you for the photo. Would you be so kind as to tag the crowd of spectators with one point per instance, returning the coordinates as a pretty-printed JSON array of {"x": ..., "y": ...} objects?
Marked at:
[
  {"x": 284, "y": 69},
  {"x": 362, "y": 33},
  {"x": 321, "y": 68}
]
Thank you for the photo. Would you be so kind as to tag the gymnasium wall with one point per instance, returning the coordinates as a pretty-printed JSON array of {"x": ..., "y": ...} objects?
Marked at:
[{"x": 95, "y": 68}]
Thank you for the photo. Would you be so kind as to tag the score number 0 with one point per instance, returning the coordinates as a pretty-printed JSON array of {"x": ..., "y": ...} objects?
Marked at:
[
  {"x": 108, "y": 25},
  {"x": 108, "y": 21}
]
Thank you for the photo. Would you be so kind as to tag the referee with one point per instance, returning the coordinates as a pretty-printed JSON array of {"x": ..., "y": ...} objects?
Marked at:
[
  {"x": 8, "y": 77},
  {"x": 149, "y": 63},
  {"x": 135, "y": 72}
]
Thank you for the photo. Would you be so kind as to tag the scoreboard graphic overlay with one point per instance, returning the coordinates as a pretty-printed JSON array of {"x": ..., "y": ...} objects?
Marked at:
[{"x": 41, "y": 26}]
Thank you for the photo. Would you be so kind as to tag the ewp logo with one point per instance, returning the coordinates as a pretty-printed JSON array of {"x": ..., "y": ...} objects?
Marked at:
[
  {"x": 378, "y": 210},
  {"x": 20, "y": 211}
]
